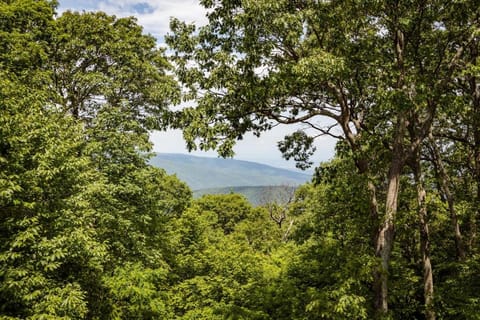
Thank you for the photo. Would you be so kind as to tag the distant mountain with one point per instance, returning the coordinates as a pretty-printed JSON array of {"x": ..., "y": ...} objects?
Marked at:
[{"x": 208, "y": 173}]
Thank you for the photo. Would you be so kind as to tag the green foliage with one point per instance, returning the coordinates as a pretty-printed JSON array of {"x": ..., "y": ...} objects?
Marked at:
[
  {"x": 333, "y": 264},
  {"x": 387, "y": 75},
  {"x": 25, "y": 30},
  {"x": 138, "y": 292},
  {"x": 95, "y": 55},
  {"x": 228, "y": 210},
  {"x": 221, "y": 262},
  {"x": 298, "y": 146},
  {"x": 49, "y": 247},
  {"x": 76, "y": 196},
  {"x": 90, "y": 230}
]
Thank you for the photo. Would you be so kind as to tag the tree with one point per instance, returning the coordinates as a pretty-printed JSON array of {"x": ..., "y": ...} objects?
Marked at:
[
  {"x": 26, "y": 31},
  {"x": 100, "y": 61},
  {"x": 77, "y": 196},
  {"x": 50, "y": 255},
  {"x": 221, "y": 253},
  {"x": 331, "y": 267},
  {"x": 113, "y": 80},
  {"x": 277, "y": 199},
  {"x": 377, "y": 70}
]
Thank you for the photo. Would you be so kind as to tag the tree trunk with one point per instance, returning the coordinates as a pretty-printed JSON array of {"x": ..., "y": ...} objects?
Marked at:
[
  {"x": 373, "y": 211},
  {"x": 424, "y": 241},
  {"x": 474, "y": 221},
  {"x": 475, "y": 93},
  {"x": 386, "y": 232},
  {"x": 444, "y": 181},
  {"x": 384, "y": 239}
]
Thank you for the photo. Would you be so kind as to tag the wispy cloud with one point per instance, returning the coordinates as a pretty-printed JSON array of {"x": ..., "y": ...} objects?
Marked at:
[{"x": 153, "y": 15}]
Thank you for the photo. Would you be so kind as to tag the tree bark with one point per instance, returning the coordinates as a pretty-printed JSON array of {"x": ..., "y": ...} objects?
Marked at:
[
  {"x": 444, "y": 180},
  {"x": 424, "y": 241},
  {"x": 384, "y": 239},
  {"x": 384, "y": 243},
  {"x": 475, "y": 94},
  {"x": 373, "y": 211}
]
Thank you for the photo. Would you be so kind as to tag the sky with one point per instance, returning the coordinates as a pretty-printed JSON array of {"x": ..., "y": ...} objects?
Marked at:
[{"x": 154, "y": 16}]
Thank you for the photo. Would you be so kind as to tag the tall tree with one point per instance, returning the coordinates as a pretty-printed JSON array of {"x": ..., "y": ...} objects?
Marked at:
[
  {"x": 428, "y": 291},
  {"x": 50, "y": 257},
  {"x": 113, "y": 79},
  {"x": 98, "y": 61},
  {"x": 77, "y": 195},
  {"x": 49, "y": 253},
  {"x": 375, "y": 69}
]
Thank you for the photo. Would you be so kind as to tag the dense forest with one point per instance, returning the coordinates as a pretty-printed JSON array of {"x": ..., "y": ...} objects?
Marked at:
[{"x": 387, "y": 229}]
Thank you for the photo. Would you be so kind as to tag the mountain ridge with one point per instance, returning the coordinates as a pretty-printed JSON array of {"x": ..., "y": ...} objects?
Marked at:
[{"x": 208, "y": 173}]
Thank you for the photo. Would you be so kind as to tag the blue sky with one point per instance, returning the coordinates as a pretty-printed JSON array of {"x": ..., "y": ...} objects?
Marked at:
[{"x": 154, "y": 16}]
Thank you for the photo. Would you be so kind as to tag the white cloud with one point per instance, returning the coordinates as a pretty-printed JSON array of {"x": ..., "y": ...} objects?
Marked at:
[{"x": 153, "y": 15}]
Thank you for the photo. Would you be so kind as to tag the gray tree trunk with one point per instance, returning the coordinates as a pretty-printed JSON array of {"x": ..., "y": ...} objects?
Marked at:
[
  {"x": 384, "y": 239},
  {"x": 424, "y": 241},
  {"x": 444, "y": 181}
]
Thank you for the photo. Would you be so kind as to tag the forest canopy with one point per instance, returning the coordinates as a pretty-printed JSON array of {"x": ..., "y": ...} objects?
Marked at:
[{"x": 387, "y": 229}]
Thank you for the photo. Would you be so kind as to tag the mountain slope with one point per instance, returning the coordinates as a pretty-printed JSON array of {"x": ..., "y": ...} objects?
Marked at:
[{"x": 206, "y": 173}]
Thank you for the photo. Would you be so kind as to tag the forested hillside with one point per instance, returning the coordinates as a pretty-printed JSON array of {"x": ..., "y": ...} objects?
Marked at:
[{"x": 388, "y": 229}]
